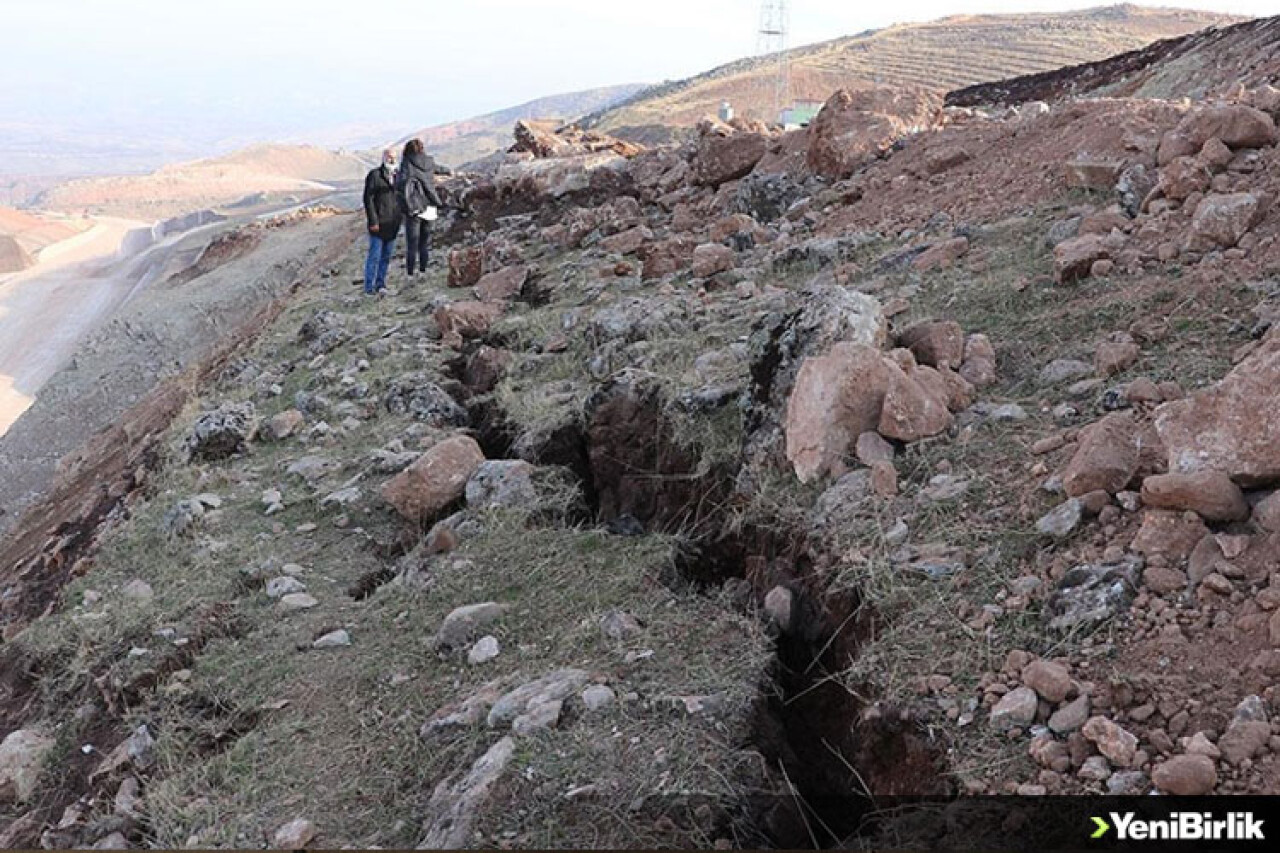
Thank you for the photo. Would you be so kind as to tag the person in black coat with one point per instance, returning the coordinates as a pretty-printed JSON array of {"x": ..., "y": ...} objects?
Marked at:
[
  {"x": 382, "y": 214},
  {"x": 416, "y": 186}
]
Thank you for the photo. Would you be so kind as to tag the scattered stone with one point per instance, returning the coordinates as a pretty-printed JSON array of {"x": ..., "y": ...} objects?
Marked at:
[
  {"x": 485, "y": 650},
  {"x": 872, "y": 448},
  {"x": 553, "y": 687},
  {"x": 284, "y": 425},
  {"x": 1070, "y": 716},
  {"x": 284, "y": 585},
  {"x": 1119, "y": 746},
  {"x": 295, "y": 601},
  {"x": 597, "y": 697},
  {"x": 1106, "y": 458},
  {"x": 619, "y": 625},
  {"x": 297, "y": 834},
  {"x": 1016, "y": 709},
  {"x": 138, "y": 590},
  {"x": 463, "y": 623},
  {"x": 1050, "y": 680},
  {"x": 779, "y": 605},
  {"x": 1089, "y": 595},
  {"x": 1063, "y": 520},
  {"x": 1186, "y": 776},
  {"x": 1211, "y": 494}
]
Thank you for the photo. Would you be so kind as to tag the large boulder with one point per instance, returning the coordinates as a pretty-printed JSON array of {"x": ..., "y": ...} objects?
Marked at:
[
  {"x": 1237, "y": 125},
  {"x": 1106, "y": 457},
  {"x": 837, "y": 397},
  {"x": 725, "y": 154},
  {"x": 439, "y": 478},
  {"x": 22, "y": 755},
  {"x": 502, "y": 285},
  {"x": 1210, "y": 494},
  {"x": 1233, "y": 427},
  {"x": 459, "y": 321},
  {"x": 1221, "y": 220},
  {"x": 856, "y": 126}
]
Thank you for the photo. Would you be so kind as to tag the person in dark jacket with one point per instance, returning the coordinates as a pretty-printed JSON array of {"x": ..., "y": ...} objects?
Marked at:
[
  {"x": 382, "y": 213},
  {"x": 416, "y": 185}
]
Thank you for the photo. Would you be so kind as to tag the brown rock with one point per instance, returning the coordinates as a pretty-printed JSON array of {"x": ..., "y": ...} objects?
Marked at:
[
  {"x": 502, "y": 285},
  {"x": 856, "y": 126},
  {"x": 1211, "y": 494},
  {"x": 872, "y": 448},
  {"x": 467, "y": 319},
  {"x": 725, "y": 154},
  {"x": 627, "y": 242},
  {"x": 1050, "y": 680},
  {"x": 1119, "y": 746},
  {"x": 911, "y": 410},
  {"x": 667, "y": 257},
  {"x": 979, "y": 368},
  {"x": 937, "y": 343},
  {"x": 1112, "y": 358},
  {"x": 1163, "y": 581},
  {"x": 1091, "y": 173},
  {"x": 1220, "y": 221},
  {"x": 1233, "y": 427},
  {"x": 836, "y": 398},
  {"x": 711, "y": 258},
  {"x": 465, "y": 266},
  {"x": 1073, "y": 259},
  {"x": 438, "y": 479},
  {"x": 1183, "y": 177},
  {"x": 1237, "y": 125},
  {"x": 1266, "y": 513},
  {"x": 1106, "y": 457},
  {"x": 1186, "y": 775},
  {"x": 1244, "y": 739},
  {"x": 884, "y": 479},
  {"x": 941, "y": 255},
  {"x": 284, "y": 424},
  {"x": 1168, "y": 534}
]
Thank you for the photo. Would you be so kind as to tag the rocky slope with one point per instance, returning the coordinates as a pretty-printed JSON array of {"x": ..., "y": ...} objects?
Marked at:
[
  {"x": 697, "y": 495},
  {"x": 941, "y": 55}
]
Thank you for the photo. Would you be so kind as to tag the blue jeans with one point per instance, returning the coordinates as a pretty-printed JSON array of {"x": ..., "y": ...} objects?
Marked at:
[{"x": 375, "y": 266}]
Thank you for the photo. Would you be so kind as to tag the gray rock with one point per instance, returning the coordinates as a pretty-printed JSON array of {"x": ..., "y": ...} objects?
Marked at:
[
  {"x": 485, "y": 650},
  {"x": 333, "y": 640},
  {"x": 310, "y": 468},
  {"x": 138, "y": 590},
  {"x": 183, "y": 519},
  {"x": 1070, "y": 716},
  {"x": 296, "y": 601},
  {"x": 22, "y": 756},
  {"x": 1063, "y": 520},
  {"x": 1089, "y": 595},
  {"x": 539, "y": 717},
  {"x": 1127, "y": 783},
  {"x": 450, "y": 813},
  {"x": 1064, "y": 370},
  {"x": 555, "y": 686},
  {"x": 502, "y": 483},
  {"x": 285, "y": 585},
  {"x": 598, "y": 697},
  {"x": 415, "y": 395},
  {"x": 221, "y": 433},
  {"x": 619, "y": 625},
  {"x": 1016, "y": 709},
  {"x": 461, "y": 625}
]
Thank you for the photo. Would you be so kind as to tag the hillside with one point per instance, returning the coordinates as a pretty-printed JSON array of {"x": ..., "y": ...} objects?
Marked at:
[
  {"x": 279, "y": 171},
  {"x": 718, "y": 495},
  {"x": 27, "y": 232},
  {"x": 944, "y": 54},
  {"x": 461, "y": 142}
]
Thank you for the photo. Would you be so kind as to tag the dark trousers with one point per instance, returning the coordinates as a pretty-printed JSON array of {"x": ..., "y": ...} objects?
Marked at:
[{"x": 418, "y": 232}]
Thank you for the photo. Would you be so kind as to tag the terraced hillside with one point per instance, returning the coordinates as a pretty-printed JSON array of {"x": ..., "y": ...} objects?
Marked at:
[{"x": 946, "y": 54}]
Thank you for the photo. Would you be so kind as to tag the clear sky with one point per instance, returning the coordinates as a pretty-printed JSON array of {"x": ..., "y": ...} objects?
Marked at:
[{"x": 230, "y": 70}]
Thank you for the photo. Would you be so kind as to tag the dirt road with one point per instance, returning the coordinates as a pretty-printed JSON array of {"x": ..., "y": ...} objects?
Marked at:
[{"x": 46, "y": 310}]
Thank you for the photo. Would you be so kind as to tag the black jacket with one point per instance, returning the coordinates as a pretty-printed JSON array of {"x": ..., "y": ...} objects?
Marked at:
[
  {"x": 420, "y": 166},
  {"x": 381, "y": 207}
]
